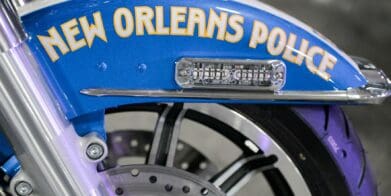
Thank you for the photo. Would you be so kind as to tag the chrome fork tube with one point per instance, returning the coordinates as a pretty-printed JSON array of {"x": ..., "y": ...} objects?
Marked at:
[{"x": 45, "y": 143}]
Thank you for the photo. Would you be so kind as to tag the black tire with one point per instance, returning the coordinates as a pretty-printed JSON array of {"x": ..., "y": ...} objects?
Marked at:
[{"x": 302, "y": 132}]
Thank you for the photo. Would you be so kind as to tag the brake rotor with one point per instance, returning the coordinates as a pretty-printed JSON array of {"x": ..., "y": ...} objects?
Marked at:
[
  {"x": 148, "y": 180},
  {"x": 133, "y": 144}
]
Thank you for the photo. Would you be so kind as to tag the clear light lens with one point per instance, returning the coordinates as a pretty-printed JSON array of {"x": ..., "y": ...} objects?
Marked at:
[{"x": 230, "y": 74}]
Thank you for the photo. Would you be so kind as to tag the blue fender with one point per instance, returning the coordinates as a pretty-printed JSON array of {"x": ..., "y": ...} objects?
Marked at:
[{"x": 136, "y": 45}]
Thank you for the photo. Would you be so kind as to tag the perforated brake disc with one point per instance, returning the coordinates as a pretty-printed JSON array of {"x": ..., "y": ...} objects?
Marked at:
[
  {"x": 148, "y": 180},
  {"x": 188, "y": 176}
]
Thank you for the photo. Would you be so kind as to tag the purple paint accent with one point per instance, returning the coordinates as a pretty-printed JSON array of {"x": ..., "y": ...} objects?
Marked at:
[{"x": 346, "y": 149}]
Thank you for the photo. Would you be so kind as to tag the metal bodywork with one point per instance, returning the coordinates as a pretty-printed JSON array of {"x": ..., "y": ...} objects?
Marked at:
[
  {"x": 125, "y": 69},
  {"x": 139, "y": 68}
]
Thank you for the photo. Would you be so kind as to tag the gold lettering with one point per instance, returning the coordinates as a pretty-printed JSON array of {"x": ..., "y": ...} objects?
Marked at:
[
  {"x": 196, "y": 16},
  {"x": 219, "y": 21},
  {"x": 259, "y": 34},
  {"x": 144, "y": 16},
  {"x": 178, "y": 15},
  {"x": 122, "y": 30},
  {"x": 276, "y": 48},
  {"x": 297, "y": 59},
  {"x": 71, "y": 30},
  {"x": 328, "y": 62},
  {"x": 235, "y": 22},
  {"x": 93, "y": 30},
  {"x": 53, "y": 40},
  {"x": 160, "y": 28}
]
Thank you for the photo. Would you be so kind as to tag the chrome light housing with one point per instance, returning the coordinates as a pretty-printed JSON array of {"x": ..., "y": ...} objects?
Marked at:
[{"x": 230, "y": 74}]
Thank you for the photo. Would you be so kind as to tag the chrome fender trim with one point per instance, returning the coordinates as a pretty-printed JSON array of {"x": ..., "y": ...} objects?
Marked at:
[{"x": 376, "y": 91}]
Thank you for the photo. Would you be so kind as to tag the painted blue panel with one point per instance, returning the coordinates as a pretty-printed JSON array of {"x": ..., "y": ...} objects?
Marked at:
[
  {"x": 116, "y": 64},
  {"x": 5, "y": 148},
  {"x": 91, "y": 122},
  {"x": 11, "y": 166}
]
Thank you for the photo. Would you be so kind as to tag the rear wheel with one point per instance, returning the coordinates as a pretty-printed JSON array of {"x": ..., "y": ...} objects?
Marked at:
[{"x": 210, "y": 149}]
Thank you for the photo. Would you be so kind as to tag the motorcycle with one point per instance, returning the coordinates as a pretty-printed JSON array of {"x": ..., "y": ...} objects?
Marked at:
[{"x": 173, "y": 97}]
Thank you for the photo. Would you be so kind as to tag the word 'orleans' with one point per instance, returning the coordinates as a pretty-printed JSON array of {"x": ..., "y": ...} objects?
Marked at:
[{"x": 186, "y": 21}]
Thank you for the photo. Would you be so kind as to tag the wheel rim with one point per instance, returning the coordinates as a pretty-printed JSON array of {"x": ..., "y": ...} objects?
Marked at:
[{"x": 260, "y": 151}]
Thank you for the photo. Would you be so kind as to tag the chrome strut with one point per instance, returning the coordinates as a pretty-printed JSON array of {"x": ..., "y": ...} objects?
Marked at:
[{"x": 45, "y": 143}]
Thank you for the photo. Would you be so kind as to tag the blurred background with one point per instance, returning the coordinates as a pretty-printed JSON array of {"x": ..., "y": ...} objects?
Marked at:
[{"x": 361, "y": 28}]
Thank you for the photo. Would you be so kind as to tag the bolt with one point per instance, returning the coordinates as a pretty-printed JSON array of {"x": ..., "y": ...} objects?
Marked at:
[
  {"x": 152, "y": 179},
  {"x": 102, "y": 66},
  {"x": 168, "y": 187},
  {"x": 204, "y": 191},
  {"x": 119, "y": 191},
  {"x": 142, "y": 68},
  {"x": 23, "y": 188},
  {"x": 278, "y": 75},
  {"x": 186, "y": 189},
  {"x": 95, "y": 151},
  {"x": 135, "y": 172}
]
